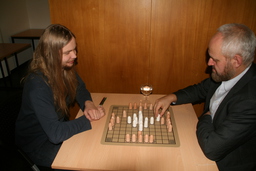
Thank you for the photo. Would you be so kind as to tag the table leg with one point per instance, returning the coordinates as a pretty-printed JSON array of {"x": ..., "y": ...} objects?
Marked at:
[
  {"x": 33, "y": 44},
  {"x": 8, "y": 71},
  {"x": 7, "y": 66},
  {"x": 16, "y": 58}
]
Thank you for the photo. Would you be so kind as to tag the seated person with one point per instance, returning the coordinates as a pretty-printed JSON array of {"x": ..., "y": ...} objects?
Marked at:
[
  {"x": 226, "y": 131},
  {"x": 51, "y": 87}
]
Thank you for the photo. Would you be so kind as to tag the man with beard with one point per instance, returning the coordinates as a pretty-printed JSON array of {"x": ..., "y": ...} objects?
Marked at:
[
  {"x": 51, "y": 87},
  {"x": 226, "y": 131}
]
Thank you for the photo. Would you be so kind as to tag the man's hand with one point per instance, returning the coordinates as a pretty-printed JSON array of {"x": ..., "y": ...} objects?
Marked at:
[{"x": 162, "y": 104}]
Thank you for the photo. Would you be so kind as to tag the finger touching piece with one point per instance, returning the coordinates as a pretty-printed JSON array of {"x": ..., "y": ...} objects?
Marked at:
[{"x": 156, "y": 108}]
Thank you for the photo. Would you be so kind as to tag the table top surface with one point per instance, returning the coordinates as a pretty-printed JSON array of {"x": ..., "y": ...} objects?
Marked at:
[
  {"x": 30, "y": 33},
  {"x": 84, "y": 151},
  {"x": 8, "y": 49}
]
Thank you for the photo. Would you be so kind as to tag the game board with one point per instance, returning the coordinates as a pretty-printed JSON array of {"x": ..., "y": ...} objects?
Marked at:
[{"x": 119, "y": 132}]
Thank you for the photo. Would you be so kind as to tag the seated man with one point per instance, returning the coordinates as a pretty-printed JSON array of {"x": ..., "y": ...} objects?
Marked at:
[
  {"x": 50, "y": 88},
  {"x": 226, "y": 131}
]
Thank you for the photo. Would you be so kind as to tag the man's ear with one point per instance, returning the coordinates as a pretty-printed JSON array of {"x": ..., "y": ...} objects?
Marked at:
[{"x": 237, "y": 60}]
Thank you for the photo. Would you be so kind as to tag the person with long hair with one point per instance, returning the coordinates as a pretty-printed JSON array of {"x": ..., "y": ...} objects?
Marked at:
[{"x": 51, "y": 87}]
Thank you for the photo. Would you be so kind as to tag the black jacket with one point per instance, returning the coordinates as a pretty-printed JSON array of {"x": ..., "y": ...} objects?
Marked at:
[{"x": 230, "y": 138}]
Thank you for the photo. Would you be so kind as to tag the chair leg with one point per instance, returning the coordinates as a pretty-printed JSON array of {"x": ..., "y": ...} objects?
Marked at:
[{"x": 32, "y": 165}]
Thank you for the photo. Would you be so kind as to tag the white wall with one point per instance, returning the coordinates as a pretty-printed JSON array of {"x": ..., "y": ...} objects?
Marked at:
[
  {"x": 38, "y": 13},
  {"x": 20, "y": 15},
  {"x": 13, "y": 17}
]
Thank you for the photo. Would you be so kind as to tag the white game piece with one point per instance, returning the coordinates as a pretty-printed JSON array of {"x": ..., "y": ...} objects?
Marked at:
[
  {"x": 117, "y": 119},
  {"x": 140, "y": 108},
  {"x": 140, "y": 127},
  {"x": 146, "y": 119},
  {"x": 134, "y": 116},
  {"x": 158, "y": 118},
  {"x": 134, "y": 123},
  {"x": 151, "y": 139},
  {"x": 140, "y": 113},
  {"x": 136, "y": 119},
  {"x": 140, "y": 123},
  {"x": 140, "y": 118},
  {"x": 152, "y": 120},
  {"x": 129, "y": 120},
  {"x": 146, "y": 122},
  {"x": 162, "y": 120},
  {"x": 127, "y": 138},
  {"x": 124, "y": 114}
]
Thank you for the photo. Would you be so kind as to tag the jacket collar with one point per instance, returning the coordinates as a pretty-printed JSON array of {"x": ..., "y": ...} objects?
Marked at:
[{"x": 248, "y": 76}]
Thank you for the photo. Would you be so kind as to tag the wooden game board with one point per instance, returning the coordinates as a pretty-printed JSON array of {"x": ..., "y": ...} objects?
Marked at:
[{"x": 117, "y": 136}]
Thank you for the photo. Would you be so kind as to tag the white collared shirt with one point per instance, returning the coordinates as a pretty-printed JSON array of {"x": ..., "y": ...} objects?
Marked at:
[{"x": 222, "y": 91}]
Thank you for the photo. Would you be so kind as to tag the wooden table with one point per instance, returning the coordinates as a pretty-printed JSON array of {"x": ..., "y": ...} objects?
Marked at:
[
  {"x": 28, "y": 34},
  {"x": 84, "y": 151},
  {"x": 9, "y": 49}
]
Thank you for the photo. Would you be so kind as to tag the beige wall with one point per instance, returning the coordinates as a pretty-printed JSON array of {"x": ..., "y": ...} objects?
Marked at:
[
  {"x": 20, "y": 15},
  {"x": 38, "y": 13}
]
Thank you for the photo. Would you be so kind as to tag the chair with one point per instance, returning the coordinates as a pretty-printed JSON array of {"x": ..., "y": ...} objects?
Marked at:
[{"x": 12, "y": 158}]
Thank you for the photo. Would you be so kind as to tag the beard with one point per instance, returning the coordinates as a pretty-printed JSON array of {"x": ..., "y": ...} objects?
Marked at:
[
  {"x": 67, "y": 67},
  {"x": 227, "y": 74}
]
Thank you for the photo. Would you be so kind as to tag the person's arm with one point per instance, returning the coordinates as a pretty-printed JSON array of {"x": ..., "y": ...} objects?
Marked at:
[
  {"x": 195, "y": 93},
  {"x": 192, "y": 94},
  {"x": 40, "y": 97},
  {"x": 237, "y": 128},
  {"x": 86, "y": 104},
  {"x": 163, "y": 103}
]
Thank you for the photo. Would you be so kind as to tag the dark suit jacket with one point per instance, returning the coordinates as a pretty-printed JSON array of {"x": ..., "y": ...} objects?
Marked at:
[{"x": 230, "y": 138}]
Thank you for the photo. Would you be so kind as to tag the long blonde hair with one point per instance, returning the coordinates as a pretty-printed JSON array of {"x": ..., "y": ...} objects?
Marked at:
[{"x": 47, "y": 59}]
